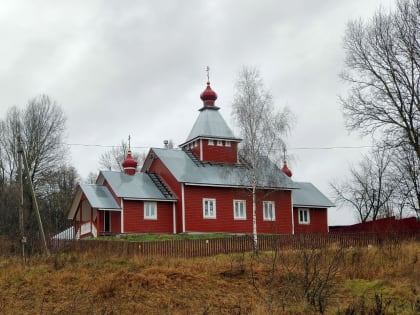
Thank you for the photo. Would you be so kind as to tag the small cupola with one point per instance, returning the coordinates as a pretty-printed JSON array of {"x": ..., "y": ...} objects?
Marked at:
[
  {"x": 211, "y": 139},
  {"x": 129, "y": 164},
  {"x": 208, "y": 96},
  {"x": 286, "y": 170}
]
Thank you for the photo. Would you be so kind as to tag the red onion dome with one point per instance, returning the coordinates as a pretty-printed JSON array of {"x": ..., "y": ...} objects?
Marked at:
[
  {"x": 208, "y": 96},
  {"x": 129, "y": 164},
  {"x": 286, "y": 170}
]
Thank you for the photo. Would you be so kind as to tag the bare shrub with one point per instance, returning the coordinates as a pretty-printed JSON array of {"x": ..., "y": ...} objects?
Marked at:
[
  {"x": 309, "y": 275},
  {"x": 319, "y": 275}
]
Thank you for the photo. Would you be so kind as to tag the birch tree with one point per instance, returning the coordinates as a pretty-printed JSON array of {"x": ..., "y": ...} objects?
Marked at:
[{"x": 262, "y": 128}]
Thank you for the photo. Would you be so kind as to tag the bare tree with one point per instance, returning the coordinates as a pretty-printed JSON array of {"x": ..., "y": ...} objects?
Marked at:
[
  {"x": 112, "y": 159},
  {"x": 383, "y": 69},
  {"x": 91, "y": 178},
  {"x": 10, "y": 129},
  {"x": 9, "y": 209},
  {"x": 41, "y": 125},
  {"x": 43, "y": 128},
  {"x": 58, "y": 195},
  {"x": 371, "y": 187},
  {"x": 262, "y": 129},
  {"x": 406, "y": 166}
]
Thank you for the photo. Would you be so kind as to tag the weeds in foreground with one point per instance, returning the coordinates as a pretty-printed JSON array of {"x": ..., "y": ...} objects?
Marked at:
[{"x": 317, "y": 280}]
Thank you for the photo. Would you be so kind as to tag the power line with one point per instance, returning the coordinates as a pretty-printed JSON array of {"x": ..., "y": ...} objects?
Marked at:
[
  {"x": 103, "y": 145},
  {"x": 295, "y": 148},
  {"x": 331, "y": 148}
]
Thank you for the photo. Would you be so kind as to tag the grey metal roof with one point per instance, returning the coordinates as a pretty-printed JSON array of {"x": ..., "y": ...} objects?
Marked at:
[
  {"x": 309, "y": 196},
  {"x": 99, "y": 196},
  {"x": 137, "y": 186},
  {"x": 210, "y": 124},
  {"x": 186, "y": 171}
]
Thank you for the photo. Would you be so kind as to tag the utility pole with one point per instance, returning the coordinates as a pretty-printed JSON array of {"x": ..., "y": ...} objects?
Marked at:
[
  {"x": 21, "y": 225},
  {"x": 38, "y": 215}
]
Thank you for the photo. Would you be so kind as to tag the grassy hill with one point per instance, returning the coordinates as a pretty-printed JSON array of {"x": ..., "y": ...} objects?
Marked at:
[{"x": 374, "y": 280}]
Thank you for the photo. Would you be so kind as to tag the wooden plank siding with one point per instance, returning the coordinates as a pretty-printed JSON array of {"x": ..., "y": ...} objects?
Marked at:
[
  {"x": 115, "y": 222},
  {"x": 224, "y": 221},
  {"x": 134, "y": 221},
  {"x": 170, "y": 181},
  {"x": 215, "y": 153},
  {"x": 100, "y": 221},
  {"x": 318, "y": 221},
  {"x": 115, "y": 217}
]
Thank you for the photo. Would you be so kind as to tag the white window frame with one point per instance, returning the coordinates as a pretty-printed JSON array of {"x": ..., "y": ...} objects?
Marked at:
[
  {"x": 301, "y": 216},
  {"x": 209, "y": 208},
  {"x": 237, "y": 215},
  {"x": 150, "y": 210},
  {"x": 227, "y": 143},
  {"x": 210, "y": 142},
  {"x": 195, "y": 144},
  {"x": 269, "y": 205},
  {"x": 220, "y": 143}
]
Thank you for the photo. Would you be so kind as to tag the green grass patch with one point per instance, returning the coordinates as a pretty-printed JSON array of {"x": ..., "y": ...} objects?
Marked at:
[
  {"x": 164, "y": 237},
  {"x": 395, "y": 299},
  {"x": 361, "y": 287}
]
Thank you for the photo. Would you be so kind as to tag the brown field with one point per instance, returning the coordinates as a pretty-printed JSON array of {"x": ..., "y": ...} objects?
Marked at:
[{"x": 369, "y": 280}]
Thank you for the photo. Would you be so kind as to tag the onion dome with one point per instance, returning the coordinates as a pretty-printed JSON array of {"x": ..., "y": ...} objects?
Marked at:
[
  {"x": 286, "y": 170},
  {"x": 208, "y": 96},
  {"x": 129, "y": 164}
]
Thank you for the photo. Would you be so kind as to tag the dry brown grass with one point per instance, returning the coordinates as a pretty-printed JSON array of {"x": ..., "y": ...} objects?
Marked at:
[{"x": 365, "y": 280}]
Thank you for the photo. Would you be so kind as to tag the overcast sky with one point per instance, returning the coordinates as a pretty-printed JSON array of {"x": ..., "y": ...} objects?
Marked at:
[{"x": 137, "y": 68}]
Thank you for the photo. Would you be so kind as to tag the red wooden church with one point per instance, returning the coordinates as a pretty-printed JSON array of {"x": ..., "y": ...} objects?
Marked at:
[{"x": 200, "y": 187}]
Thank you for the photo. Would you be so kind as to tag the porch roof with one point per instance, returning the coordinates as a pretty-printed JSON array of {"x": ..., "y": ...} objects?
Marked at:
[{"x": 98, "y": 197}]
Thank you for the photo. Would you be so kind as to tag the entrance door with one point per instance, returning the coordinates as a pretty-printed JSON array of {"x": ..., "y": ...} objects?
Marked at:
[{"x": 107, "y": 221}]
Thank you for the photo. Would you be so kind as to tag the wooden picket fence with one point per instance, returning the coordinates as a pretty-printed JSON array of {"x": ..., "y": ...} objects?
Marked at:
[{"x": 234, "y": 244}]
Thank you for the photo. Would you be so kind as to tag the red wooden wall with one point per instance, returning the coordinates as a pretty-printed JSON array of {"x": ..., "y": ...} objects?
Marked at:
[
  {"x": 159, "y": 168},
  {"x": 115, "y": 222},
  {"x": 134, "y": 221},
  {"x": 99, "y": 221},
  {"x": 318, "y": 221},
  {"x": 215, "y": 153},
  {"x": 225, "y": 221}
]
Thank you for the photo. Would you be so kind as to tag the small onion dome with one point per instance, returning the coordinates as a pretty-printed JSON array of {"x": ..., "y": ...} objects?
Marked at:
[
  {"x": 286, "y": 170},
  {"x": 129, "y": 164},
  {"x": 208, "y": 96}
]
